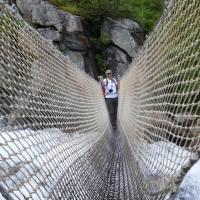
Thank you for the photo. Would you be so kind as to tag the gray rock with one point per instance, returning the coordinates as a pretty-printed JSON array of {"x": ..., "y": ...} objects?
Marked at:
[
  {"x": 75, "y": 41},
  {"x": 50, "y": 34},
  {"x": 76, "y": 58},
  {"x": 185, "y": 119},
  {"x": 117, "y": 60},
  {"x": 40, "y": 12},
  {"x": 125, "y": 33},
  {"x": 167, "y": 3},
  {"x": 195, "y": 130},
  {"x": 26, "y": 6},
  {"x": 71, "y": 23},
  {"x": 73, "y": 34},
  {"x": 69, "y": 33},
  {"x": 3, "y": 122},
  {"x": 134, "y": 29},
  {"x": 90, "y": 66},
  {"x": 45, "y": 14}
]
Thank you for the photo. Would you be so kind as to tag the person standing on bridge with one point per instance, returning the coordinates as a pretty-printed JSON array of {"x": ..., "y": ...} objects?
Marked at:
[{"x": 111, "y": 87}]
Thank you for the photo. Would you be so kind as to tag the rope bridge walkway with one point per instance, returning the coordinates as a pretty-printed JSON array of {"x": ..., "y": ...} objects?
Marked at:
[{"x": 56, "y": 140}]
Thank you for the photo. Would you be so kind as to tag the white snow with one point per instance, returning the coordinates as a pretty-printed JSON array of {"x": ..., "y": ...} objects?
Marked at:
[
  {"x": 190, "y": 187},
  {"x": 1, "y": 197},
  {"x": 27, "y": 156},
  {"x": 162, "y": 158},
  {"x": 165, "y": 159},
  {"x": 31, "y": 160}
]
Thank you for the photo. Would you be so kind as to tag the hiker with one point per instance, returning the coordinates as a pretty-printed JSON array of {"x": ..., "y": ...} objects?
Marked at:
[{"x": 111, "y": 87}]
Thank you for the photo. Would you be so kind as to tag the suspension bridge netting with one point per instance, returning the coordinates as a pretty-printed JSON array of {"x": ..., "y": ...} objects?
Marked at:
[
  {"x": 56, "y": 141},
  {"x": 159, "y": 100}
]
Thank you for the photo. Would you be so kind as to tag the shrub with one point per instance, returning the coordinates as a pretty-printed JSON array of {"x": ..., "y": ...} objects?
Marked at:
[
  {"x": 145, "y": 12},
  {"x": 101, "y": 65},
  {"x": 105, "y": 39}
]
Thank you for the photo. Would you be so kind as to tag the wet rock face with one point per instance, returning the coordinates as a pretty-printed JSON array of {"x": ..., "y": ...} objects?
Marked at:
[
  {"x": 26, "y": 6},
  {"x": 76, "y": 57},
  {"x": 71, "y": 34},
  {"x": 71, "y": 23},
  {"x": 50, "y": 34},
  {"x": 68, "y": 32},
  {"x": 125, "y": 34},
  {"x": 118, "y": 60},
  {"x": 126, "y": 37},
  {"x": 75, "y": 41},
  {"x": 45, "y": 14}
]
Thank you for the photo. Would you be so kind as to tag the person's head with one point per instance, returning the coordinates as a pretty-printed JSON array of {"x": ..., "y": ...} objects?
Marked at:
[{"x": 109, "y": 73}]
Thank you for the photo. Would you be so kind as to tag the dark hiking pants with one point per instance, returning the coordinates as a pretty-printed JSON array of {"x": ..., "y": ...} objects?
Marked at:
[{"x": 112, "y": 104}]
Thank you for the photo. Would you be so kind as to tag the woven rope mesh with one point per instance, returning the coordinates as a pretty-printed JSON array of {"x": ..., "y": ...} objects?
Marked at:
[
  {"x": 159, "y": 100},
  {"x": 55, "y": 138},
  {"x": 54, "y": 121}
]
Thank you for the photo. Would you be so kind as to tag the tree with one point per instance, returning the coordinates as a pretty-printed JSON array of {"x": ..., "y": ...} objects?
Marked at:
[{"x": 145, "y": 12}]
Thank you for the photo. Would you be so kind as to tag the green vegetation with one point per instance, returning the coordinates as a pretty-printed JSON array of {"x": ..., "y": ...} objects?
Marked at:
[
  {"x": 145, "y": 12},
  {"x": 100, "y": 43},
  {"x": 100, "y": 61},
  {"x": 67, "y": 5},
  {"x": 105, "y": 39}
]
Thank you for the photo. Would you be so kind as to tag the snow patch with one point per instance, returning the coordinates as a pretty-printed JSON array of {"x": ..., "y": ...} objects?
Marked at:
[
  {"x": 190, "y": 186},
  {"x": 163, "y": 158},
  {"x": 31, "y": 162}
]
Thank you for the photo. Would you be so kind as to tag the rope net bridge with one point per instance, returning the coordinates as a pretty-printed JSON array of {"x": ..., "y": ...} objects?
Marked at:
[{"x": 55, "y": 138}]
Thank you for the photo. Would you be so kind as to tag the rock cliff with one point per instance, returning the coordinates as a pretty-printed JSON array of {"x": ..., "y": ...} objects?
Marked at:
[{"x": 72, "y": 36}]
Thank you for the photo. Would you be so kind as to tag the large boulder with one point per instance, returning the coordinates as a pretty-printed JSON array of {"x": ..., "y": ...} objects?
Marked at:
[
  {"x": 125, "y": 34},
  {"x": 74, "y": 36},
  {"x": 74, "y": 41},
  {"x": 50, "y": 34},
  {"x": 40, "y": 12},
  {"x": 26, "y": 6},
  {"x": 126, "y": 39},
  {"x": 117, "y": 59},
  {"x": 71, "y": 23},
  {"x": 90, "y": 66},
  {"x": 77, "y": 58},
  {"x": 45, "y": 14},
  {"x": 195, "y": 129},
  {"x": 69, "y": 33},
  {"x": 185, "y": 119},
  {"x": 84, "y": 60}
]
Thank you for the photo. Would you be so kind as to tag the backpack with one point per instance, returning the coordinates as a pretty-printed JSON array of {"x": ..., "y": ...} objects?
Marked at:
[
  {"x": 103, "y": 86},
  {"x": 113, "y": 80}
]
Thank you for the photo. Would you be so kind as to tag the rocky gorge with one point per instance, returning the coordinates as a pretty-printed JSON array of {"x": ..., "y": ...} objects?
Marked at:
[{"x": 71, "y": 34}]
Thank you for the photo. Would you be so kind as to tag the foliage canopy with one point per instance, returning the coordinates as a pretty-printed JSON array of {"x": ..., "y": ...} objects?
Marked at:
[{"x": 145, "y": 12}]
